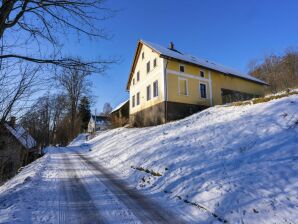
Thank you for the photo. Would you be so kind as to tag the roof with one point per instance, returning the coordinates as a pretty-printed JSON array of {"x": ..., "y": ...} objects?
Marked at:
[
  {"x": 119, "y": 106},
  {"x": 22, "y": 135},
  {"x": 99, "y": 119},
  {"x": 177, "y": 55}
]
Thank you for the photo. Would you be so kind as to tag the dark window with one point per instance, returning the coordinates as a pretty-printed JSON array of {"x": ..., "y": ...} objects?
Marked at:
[
  {"x": 133, "y": 81},
  {"x": 202, "y": 74},
  {"x": 148, "y": 66},
  {"x": 154, "y": 63},
  {"x": 149, "y": 92},
  {"x": 143, "y": 55},
  {"x": 203, "y": 91},
  {"x": 133, "y": 101},
  {"x": 181, "y": 68},
  {"x": 138, "y": 76},
  {"x": 155, "y": 89},
  {"x": 138, "y": 98}
]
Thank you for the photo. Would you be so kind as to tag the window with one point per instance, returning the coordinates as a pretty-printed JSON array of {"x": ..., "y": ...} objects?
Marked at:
[
  {"x": 138, "y": 76},
  {"x": 133, "y": 101},
  {"x": 138, "y": 98},
  {"x": 149, "y": 92},
  {"x": 202, "y": 74},
  {"x": 183, "y": 87},
  {"x": 155, "y": 89},
  {"x": 143, "y": 55},
  {"x": 203, "y": 90},
  {"x": 148, "y": 66},
  {"x": 133, "y": 81},
  {"x": 181, "y": 68},
  {"x": 154, "y": 63}
]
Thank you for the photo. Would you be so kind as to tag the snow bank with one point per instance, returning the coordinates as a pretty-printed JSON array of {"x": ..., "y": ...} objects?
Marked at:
[{"x": 237, "y": 162}]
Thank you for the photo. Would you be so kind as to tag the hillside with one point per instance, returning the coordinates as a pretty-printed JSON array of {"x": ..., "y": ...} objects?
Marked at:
[
  {"x": 227, "y": 164},
  {"x": 238, "y": 162}
]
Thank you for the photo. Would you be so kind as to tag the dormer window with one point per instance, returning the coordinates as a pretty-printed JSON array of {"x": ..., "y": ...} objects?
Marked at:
[
  {"x": 202, "y": 74},
  {"x": 181, "y": 68},
  {"x": 143, "y": 55},
  {"x": 138, "y": 76}
]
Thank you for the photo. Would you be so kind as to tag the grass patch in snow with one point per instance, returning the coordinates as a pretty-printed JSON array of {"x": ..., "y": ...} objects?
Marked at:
[
  {"x": 264, "y": 99},
  {"x": 152, "y": 172}
]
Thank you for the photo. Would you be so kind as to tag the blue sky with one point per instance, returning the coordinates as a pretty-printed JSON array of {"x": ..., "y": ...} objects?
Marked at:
[{"x": 230, "y": 32}]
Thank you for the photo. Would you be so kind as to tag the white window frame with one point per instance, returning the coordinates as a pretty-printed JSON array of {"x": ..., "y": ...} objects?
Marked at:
[
  {"x": 148, "y": 93},
  {"x": 205, "y": 84},
  {"x": 157, "y": 93},
  {"x": 179, "y": 92},
  {"x": 181, "y": 65}
]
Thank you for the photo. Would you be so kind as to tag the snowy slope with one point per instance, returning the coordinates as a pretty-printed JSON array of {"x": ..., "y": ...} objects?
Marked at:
[
  {"x": 240, "y": 163},
  {"x": 233, "y": 163}
]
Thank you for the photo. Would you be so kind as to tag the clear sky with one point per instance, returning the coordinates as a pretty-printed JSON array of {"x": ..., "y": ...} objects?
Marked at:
[{"x": 230, "y": 32}]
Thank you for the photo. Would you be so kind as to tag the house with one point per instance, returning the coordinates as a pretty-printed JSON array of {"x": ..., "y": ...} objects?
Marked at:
[
  {"x": 165, "y": 84},
  {"x": 120, "y": 115},
  {"x": 17, "y": 149},
  {"x": 97, "y": 123}
]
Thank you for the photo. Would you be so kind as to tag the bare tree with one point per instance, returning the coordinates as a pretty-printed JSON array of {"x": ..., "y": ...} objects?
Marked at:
[
  {"x": 107, "y": 108},
  {"x": 39, "y": 22},
  {"x": 74, "y": 83}
]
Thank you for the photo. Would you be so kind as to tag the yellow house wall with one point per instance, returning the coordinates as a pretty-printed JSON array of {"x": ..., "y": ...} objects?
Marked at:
[
  {"x": 215, "y": 79},
  {"x": 220, "y": 81},
  {"x": 147, "y": 79},
  {"x": 193, "y": 82}
]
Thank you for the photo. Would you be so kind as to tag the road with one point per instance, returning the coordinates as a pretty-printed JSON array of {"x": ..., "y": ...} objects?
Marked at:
[{"x": 90, "y": 193}]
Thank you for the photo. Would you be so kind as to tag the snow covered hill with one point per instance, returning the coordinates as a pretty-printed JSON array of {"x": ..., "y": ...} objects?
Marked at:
[
  {"x": 238, "y": 162},
  {"x": 234, "y": 164}
]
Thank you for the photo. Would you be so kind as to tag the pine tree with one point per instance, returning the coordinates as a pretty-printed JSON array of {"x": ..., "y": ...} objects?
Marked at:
[{"x": 84, "y": 112}]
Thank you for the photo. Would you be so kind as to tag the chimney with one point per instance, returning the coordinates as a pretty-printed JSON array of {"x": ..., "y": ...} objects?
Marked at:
[
  {"x": 171, "y": 46},
  {"x": 12, "y": 122}
]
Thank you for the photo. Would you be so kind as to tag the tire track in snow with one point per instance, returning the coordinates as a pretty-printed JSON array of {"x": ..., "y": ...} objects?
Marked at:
[
  {"x": 76, "y": 206},
  {"x": 142, "y": 207}
]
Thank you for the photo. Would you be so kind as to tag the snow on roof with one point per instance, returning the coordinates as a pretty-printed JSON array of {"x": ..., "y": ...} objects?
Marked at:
[
  {"x": 22, "y": 135},
  {"x": 119, "y": 106},
  {"x": 100, "y": 120},
  {"x": 199, "y": 61}
]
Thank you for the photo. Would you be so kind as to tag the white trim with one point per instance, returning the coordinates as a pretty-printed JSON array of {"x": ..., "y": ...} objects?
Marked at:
[
  {"x": 164, "y": 79},
  {"x": 185, "y": 75},
  {"x": 187, "y": 93},
  {"x": 210, "y": 88}
]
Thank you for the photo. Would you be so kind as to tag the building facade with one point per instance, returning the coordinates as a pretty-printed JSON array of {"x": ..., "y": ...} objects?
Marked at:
[{"x": 164, "y": 84}]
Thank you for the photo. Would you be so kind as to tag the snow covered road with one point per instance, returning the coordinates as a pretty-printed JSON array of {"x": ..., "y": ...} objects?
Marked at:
[{"x": 69, "y": 187}]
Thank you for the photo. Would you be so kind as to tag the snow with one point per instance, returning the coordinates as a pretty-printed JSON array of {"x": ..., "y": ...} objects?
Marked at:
[
  {"x": 199, "y": 61},
  {"x": 236, "y": 162},
  {"x": 22, "y": 135},
  {"x": 119, "y": 106}
]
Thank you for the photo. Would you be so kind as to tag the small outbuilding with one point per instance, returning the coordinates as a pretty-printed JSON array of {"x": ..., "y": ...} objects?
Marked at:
[
  {"x": 17, "y": 149},
  {"x": 120, "y": 115},
  {"x": 97, "y": 123}
]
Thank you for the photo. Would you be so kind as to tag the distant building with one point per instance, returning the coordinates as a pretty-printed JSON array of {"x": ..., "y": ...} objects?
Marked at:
[
  {"x": 97, "y": 123},
  {"x": 17, "y": 149},
  {"x": 120, "y": 115},
  {"x": 165, "y": 84}
]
